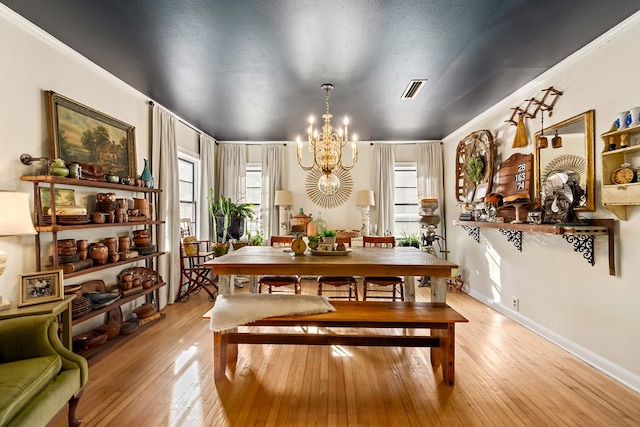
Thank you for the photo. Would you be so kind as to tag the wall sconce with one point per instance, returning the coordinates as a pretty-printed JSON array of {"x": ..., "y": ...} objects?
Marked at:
[
  {"x": 15, "y": 220},
  {"x": 364, "y": 199},
  {"x": 28, "y": 160},
  {"x": 284, "y": 200}
]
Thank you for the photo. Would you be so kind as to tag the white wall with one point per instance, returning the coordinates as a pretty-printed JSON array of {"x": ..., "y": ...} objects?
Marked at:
[
  {"x": 580, "y": 307},
  {"x": 32, "y": 62}
]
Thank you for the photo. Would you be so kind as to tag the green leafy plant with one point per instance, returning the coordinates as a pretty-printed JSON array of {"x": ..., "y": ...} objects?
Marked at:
[
  {"x": 328, "y": 233},
  {"x": 226, "y": 210},
  {"x": 256, "y": 239},
  {"x": 412, "y": 239},
  {"x": 475, "y": 168}
]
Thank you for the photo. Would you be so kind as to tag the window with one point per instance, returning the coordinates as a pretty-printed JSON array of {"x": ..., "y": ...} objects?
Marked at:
[
  {"x": 188, "y": 169},
  {"x": 406, "y": 199},
  {"x": 253, "y": 194}
]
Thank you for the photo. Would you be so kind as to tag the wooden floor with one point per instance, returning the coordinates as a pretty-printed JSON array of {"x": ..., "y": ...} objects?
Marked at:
[{"x": 505, "y": 376}]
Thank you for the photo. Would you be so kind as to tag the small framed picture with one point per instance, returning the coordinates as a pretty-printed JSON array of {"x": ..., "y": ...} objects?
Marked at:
[
  {"x": 39, "y": 287},
  {"x": 470, "y": 194},
  {"x": 481, "y": 191}
]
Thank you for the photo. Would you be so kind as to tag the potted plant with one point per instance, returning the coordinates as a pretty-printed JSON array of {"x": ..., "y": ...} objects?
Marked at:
[
  {"x": 313, "y": 242},
  {"x": 412, "y": 239},
  {"x": 328, "y": 237},
  {"x": 228, "y": 221},
  {"x": 256, "y": 239}
]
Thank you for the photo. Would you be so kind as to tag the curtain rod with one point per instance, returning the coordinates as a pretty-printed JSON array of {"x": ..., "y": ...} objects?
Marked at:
[{"x": 181, "y": 121}]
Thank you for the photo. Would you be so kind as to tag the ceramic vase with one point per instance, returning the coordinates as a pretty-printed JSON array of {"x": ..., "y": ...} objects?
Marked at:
[{"x": 146, "y": 175}]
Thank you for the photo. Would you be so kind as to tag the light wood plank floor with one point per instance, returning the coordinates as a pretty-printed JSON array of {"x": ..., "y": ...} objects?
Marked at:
[{"x": 505, "y": 376}]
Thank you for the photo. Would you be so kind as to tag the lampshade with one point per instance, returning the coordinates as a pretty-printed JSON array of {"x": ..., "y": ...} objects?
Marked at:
[
  {"x": 15, "y": 216},
  {"x": 365, "y": 198},
  {"x": 284, "y": 198}
]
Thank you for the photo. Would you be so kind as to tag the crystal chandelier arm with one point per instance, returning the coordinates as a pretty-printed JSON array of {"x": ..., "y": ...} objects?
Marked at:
[
  {"x": 299, "y": 152},
  {"x": 354, "y": 155}
]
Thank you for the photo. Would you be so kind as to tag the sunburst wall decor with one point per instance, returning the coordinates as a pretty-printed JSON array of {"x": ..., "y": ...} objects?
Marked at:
[{"x": 329, "y": 200}]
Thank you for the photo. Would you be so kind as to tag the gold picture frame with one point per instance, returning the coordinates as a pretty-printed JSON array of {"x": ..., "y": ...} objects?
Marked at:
[
  {"x": 78, "y": 133},
  {"x": 40, "y": 287}
]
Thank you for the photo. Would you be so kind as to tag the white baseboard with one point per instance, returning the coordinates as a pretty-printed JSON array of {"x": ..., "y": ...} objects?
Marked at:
[{"x": 616, "y": 372}]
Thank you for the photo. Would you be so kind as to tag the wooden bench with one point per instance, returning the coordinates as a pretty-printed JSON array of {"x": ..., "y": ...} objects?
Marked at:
[{"x": 438, "y": 317}]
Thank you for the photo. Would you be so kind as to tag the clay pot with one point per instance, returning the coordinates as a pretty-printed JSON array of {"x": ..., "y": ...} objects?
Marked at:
[
  {"x": 106, "y": 197},
  {"x": 83, "y": 253},
  {"x": 99, "y": 253},
  {"x": 141, "y": 233},
  {"x": 82, "y": 244},
  {"x": 124, "y": 243},
  {"x": 111, "y": 244},
  {"x": 114, "y": 257},
  {"x": 97, "y": 217},
  {"x": 122, "y": 203},
  {"x": 143, "y": 207},
  {"x": 142, "y": 241},
  {"x": 147, "y": 283}
]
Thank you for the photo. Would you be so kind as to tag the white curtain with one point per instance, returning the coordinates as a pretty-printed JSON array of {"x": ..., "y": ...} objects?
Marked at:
[
  {"x": 231, "y": 171},
  {"x": 273, "y": 171},
  {"x": 431, "y": 175},
  {"x": 384, "y": 183},
  {"x": 207, "y": 181},
  {"x": 164, "y": 167}
]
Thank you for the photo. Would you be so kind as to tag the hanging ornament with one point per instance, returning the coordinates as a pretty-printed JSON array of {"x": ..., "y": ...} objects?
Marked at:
[{"x": 520, "y": 140}]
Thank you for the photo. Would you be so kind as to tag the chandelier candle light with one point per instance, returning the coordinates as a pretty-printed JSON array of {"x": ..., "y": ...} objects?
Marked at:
[{"x": 326, "y": 147}]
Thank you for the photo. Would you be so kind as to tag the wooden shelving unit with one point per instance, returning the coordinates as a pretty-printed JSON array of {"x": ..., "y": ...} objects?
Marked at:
[{"x": 151, "y": 294}]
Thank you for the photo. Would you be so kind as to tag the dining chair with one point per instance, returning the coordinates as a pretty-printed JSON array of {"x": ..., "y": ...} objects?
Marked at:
[
  {"x": 376, "y": 282},
  {"x": 193, "y": 275},
  {"x": 277, "y": 281},
  {"x": 351, "y": 293}
]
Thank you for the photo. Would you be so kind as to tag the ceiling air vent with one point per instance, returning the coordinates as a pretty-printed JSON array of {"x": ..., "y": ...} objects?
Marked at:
[{"x": 413, "y": 88}]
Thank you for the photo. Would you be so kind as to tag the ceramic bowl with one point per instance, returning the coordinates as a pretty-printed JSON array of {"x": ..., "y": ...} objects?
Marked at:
[
  {"x": 142, "y": 241},
  {"x": 114, "y": 179},
  {"x": 145, "y": 310},
  {"x": 112, "y": 329}
]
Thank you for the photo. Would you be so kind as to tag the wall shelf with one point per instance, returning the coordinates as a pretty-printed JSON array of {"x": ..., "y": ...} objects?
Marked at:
[
  {"x": 616, "y": 197},
  {"x": 582, "y": 237}
]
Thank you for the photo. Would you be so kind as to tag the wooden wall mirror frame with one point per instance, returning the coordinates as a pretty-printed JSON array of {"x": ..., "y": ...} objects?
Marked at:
[{"x": 577, "y": 153}]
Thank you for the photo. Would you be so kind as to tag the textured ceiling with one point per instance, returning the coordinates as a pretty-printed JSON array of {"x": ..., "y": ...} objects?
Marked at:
[{"x": 251, "y": 70}]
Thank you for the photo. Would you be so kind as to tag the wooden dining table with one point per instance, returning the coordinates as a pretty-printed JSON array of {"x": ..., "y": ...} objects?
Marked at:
[{"x": 409, "y": 262}]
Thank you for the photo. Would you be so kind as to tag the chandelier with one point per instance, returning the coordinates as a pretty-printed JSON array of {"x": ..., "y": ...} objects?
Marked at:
[{"x": 326, "y": 148}]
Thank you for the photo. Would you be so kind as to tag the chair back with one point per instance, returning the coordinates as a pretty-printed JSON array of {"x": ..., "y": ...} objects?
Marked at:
[
  {"x": 281, "y": 241},
  {"x": 344, "y": 239},
  {"x": 378, "y": 241}
]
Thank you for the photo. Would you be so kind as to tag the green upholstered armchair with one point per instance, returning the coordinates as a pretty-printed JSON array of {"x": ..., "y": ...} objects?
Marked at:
[{"x": 38, "y": 376}]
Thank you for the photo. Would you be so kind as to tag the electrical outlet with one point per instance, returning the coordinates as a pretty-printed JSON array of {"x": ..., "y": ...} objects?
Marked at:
[{"x": 515, "y": 303}]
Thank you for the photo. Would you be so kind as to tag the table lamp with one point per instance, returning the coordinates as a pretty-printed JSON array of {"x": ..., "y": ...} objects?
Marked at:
[
  {"x": 15, "y": 220},
  {"x": 284, "y": 200},
  {"x": 364, "y": 199}
]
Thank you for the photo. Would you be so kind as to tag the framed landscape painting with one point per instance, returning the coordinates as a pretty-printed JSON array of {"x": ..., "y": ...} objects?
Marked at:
[{"x": 81, "y": 134}]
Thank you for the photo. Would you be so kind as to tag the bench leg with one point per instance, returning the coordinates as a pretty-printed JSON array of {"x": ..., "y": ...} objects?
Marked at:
[
  {"x": 223, "y": 352},
  {"x": 444, "y": 355},
  {"x": 219, "y": 355}
]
